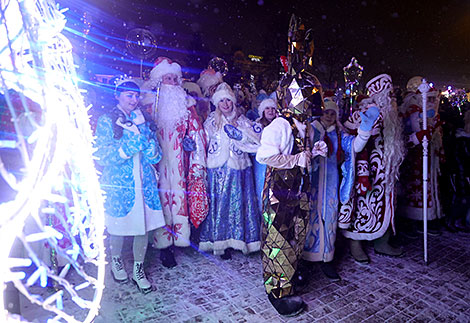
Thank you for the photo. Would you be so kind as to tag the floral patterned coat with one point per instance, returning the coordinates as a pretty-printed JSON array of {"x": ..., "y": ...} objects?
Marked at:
[{"x": 116, "y": 157}]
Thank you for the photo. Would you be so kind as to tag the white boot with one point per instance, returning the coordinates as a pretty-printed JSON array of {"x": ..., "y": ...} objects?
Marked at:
[
  {"x": 140, "y": 279},
  {"x": 117, "y": 268}
]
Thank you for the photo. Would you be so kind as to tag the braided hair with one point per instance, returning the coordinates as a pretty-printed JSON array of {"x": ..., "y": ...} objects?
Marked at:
[{"x": 115, "y": 115}]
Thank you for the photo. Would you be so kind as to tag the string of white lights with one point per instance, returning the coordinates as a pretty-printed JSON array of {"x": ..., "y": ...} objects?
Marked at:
[{"x": 57, "y": 201}]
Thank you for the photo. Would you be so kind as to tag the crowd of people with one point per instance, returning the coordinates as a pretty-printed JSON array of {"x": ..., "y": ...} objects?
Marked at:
[{"x": 231, "y": 170}]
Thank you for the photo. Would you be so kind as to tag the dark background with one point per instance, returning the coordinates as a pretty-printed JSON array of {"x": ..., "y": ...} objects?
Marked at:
[{"x": 402, "y": 38}]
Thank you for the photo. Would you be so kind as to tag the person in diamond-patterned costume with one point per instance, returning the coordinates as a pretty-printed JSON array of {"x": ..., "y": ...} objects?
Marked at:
[{"x": 285, "y": 148}]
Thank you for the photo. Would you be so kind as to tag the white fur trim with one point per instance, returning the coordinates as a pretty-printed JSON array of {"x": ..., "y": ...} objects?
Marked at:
[
  {"x": 301, "y": 127},
  {"x": 416, "y": 213},
  {"x": 414, "y": 139},
  {"x": 276, "y": 139},
  {"x": 165, "y": 68},
  {"x": 207, "y": 80},
  {"x": 190, "y": 101},
  {"x": 132, "y": 128},
  {"x": 223, "y": 92},
  {"x": 139, "y": 119},
  {"x": 218, "y": 247},
  {"x": 360, "y": 140},
  {"x": 331, "y": 105},
  {"x": 462, "y": 133},
  {"x": 192, "y": 87},
  {"x": 265, "y": 104},
  {"x": 317, "y": 125}
]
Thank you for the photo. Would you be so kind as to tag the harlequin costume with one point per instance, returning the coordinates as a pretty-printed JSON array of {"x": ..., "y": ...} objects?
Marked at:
[{"x": 285, "y": 148}]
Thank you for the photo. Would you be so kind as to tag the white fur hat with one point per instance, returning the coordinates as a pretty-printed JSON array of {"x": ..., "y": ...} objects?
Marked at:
[
  {"x": 192, "y": 87},
  {"x": 266, "y": 103},
  {"x": 163, "y": 66},
  {"x": 329, "y": 104},
  {"x": 223, "y": 91},
  {"x": 413, "y": 83},
  {"x": 208, "y": 78}
]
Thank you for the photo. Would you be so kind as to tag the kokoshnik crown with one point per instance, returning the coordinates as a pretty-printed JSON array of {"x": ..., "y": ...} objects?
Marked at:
[
  {"x": 378, "y": 84},
  {"x": 121, "y": 79}
]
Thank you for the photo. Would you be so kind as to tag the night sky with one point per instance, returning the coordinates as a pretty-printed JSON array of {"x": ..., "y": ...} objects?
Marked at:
[{"x": 402, "y": 38}]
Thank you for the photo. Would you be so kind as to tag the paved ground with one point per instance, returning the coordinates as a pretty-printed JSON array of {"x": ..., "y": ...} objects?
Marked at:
[{"x": 204, "y": 288}]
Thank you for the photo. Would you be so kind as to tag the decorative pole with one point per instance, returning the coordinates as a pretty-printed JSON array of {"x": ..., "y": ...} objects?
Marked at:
[
  {"x": 424, "y": 88},
  {"x": 155, "y": 103},
  {"x": 352, "y": 75}
]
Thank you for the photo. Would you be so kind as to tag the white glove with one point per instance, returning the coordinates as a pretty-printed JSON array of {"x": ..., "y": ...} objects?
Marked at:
[
  {"x": 303, "y": 159},
  {"x": 320, "y": 148}
]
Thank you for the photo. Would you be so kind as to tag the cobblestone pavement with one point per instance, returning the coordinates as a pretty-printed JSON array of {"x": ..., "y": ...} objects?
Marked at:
[{"x": 205, "y": 288}]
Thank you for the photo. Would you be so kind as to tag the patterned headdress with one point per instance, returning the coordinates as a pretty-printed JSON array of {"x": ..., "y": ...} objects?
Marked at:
[
  {"x": 378, "y": 84},
  {"x": 125, "y": 83}
]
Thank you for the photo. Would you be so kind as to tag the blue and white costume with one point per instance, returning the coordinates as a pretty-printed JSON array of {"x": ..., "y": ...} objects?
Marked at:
[
  {"x": 234, "y": 217},
  {"x": 326, "y": 190},
  {"x": 128, "y": 178}
]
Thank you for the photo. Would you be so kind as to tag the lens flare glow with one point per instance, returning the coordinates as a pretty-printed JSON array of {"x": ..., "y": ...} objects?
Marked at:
[{"x": 56, "y": 203}]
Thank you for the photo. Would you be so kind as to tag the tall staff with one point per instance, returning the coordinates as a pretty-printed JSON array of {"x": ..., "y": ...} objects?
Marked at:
[
  {"x": 424, "y": 89},
  {"x": 155, "y": 103},
  {"x": 352, "y": 75}
]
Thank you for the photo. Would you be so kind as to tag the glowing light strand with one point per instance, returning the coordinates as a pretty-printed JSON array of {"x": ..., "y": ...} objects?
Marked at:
[{"x": 59, "y": 178}]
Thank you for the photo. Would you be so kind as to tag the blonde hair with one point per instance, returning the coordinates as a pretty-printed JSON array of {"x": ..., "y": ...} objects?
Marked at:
[{"x": 221, "y": 120}]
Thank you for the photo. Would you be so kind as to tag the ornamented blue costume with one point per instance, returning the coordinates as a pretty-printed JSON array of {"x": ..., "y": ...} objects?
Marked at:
[
  {"x": 321, "y": 235},
  {"x": 128, "y": 178},
  {"x": 259, "y": 171},
  {"x": 234, "y": 218}
]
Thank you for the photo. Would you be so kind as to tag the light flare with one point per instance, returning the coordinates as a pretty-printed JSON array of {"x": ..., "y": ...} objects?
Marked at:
[{"x": 58, "y": 201}]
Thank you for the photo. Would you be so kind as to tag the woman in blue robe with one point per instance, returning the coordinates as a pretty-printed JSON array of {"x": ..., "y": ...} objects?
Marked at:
[
  {"x": 234, "y": 218},
  {"x": 326, "y": 190},
  {"x": 126, "y": 149}
]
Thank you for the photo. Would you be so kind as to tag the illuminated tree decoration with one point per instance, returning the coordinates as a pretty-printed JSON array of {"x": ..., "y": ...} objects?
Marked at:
[{"x": 56, "y": 202}]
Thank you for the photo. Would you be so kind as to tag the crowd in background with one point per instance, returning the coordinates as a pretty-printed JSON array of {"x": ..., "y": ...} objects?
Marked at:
[{"x": 178, "y": 166}]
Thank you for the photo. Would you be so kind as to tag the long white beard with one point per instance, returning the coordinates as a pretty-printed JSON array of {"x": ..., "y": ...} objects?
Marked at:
[
  {"x": 172, "y": 106},
  {"x": 394, "y": 146}
]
